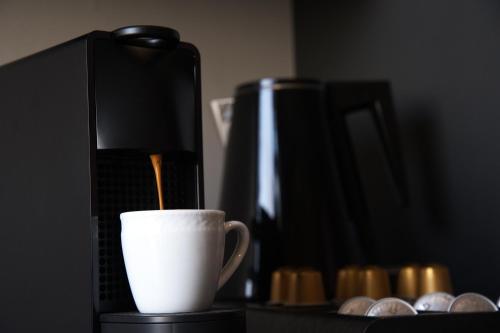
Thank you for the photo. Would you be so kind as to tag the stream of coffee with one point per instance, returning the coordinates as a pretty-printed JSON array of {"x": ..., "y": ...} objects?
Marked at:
[{"x": 156, "y": 161}]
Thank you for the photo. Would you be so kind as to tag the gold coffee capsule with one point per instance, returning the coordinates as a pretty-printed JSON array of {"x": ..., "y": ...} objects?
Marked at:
[
  {"x": 434, "y": 278},
  {"x": 347, "y": 282},
  {"x": 374, "y": 282},
  {"x": 313, "y": 291},
  {"x": 297, "y": 286},
  {"x": 408, "y": 282},
  {"x": 279, "y": 285},
  {"x": 305, "y": 287}
]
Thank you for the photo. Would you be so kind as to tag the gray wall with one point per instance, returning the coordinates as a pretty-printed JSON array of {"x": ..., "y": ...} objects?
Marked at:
[
  {"x": 443, "y": 59},
  {"x": 239, "y": 40}
]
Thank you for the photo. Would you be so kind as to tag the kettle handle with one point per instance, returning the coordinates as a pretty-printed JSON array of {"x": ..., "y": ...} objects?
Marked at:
[
  {"x": 375, "y": 98},
  {"x": 344, "y": 98},
  {"x": 385, "y": 122}
]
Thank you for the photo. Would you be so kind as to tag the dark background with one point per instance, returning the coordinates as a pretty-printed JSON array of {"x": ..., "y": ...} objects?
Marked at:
[{"x": 443, "y": 59}]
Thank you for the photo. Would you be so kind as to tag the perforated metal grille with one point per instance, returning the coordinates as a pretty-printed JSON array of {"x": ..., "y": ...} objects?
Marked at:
[{"x": 125, "y": 182}]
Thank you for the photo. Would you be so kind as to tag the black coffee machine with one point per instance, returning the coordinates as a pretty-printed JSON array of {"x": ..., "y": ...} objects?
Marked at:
[
  {"x": 77, "y": 124},
  {"x": 292, "y": 159}
]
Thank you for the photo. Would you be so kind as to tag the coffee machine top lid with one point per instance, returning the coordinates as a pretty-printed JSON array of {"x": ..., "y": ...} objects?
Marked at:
[
  {"x": 149, "y": 36},
  {"x": 278, "y": 84}
]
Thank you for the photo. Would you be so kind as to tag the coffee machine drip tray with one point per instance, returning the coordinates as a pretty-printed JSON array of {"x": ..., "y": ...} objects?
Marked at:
[{"x": 217, "y": 320}]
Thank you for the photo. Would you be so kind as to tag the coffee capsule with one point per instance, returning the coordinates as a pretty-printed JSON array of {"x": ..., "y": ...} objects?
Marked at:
[
  {"x": 498, "y": 302},
  {"x": 279, "y": 285},
  {"x": 356, "y": 306},
  {"x": 434, "y": 278},
  {"x": 297, "y": 286},
  {"x": 438, "y": 301},
  {"x": 374, "y": 282},
  {"x": 472, "y": 302},
  {"x": 408, "y": 282},
  {"x": 347, "y": 282},
  {"x": 305, "y": 287},
  {"x": 390, "y": 306}
]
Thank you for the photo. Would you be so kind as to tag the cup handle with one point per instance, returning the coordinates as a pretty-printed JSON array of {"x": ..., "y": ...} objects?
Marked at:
[{"x": 238, "y": 253}]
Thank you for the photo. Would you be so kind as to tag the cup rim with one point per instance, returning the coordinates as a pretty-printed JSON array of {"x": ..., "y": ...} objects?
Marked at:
[{"x": 173, "y": 211}]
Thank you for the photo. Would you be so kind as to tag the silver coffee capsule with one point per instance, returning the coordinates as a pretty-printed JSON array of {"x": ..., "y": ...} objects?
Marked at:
[
  {"x": 438, "y": 301},
  {"x": 390, "y": 306},
  {"x": 472, "y": 302},
  {"x": 498, "y": 302},
  {"x": 356, "y": 306}
]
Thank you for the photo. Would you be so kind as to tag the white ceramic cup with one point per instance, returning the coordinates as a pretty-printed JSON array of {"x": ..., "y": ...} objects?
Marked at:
[{"x": 174, "y": 257}]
